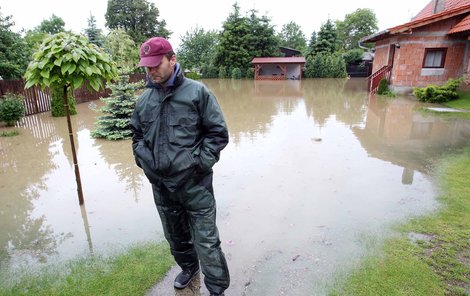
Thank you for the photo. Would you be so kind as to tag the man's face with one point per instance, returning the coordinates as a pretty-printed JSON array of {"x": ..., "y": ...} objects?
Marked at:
[{"x": 161, "y": 73}]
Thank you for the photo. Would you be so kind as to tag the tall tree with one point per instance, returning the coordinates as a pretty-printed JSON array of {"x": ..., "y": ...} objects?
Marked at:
[
  {"x": 197, "y": 48},
  {"x": 138, "y": 18},
  {"x": 92, "y": 32},
  {"x": 14, "y": 52},
  {"x": 356, "y": 25},
  {"x": 327, "y": 38},
  {"x": 232, "y": 51},
  {"x": 52, "y": 25},
  {"x": 311, "y": 44},
  {"x": 262, "y": 42},
  {"x": 243, "y": 38},
  {"x": 292, "y": 36}
]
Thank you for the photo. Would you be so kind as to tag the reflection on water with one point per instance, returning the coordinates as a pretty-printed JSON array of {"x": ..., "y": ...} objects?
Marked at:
[{"x": 312, "y": 167}]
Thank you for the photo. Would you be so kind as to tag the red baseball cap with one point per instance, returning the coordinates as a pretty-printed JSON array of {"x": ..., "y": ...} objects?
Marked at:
[{"x": 153, "y": 50}]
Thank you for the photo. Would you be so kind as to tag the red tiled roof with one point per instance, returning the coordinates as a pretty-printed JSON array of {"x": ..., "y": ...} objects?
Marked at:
[
  {"x": 425, "y": 17},
  {"x": 279, "y": 60},
  {"x": 459, "y": 7},
  {"x": 448, "y": 5},
  {"x": 464, "y": 25}
]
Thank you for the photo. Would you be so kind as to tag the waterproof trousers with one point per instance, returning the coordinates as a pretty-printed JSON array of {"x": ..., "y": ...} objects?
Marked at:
[{"x": 188, "y": 218}]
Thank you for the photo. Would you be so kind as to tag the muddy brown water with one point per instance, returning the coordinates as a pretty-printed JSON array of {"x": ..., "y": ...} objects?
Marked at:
[{"x": 315, "y": 173}]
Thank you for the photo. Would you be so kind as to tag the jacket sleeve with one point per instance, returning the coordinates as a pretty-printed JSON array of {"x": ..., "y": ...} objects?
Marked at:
[
  {"x": 215, "y": 132},
  {"x": 137, "y": 134}
]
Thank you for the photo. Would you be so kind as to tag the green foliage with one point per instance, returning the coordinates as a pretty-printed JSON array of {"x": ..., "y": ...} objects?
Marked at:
[
  {"x": 222, "y": 72},
  {"x": 250, "y": 73},
  {"x": 197, "y": 48},
  {"x": 94, "y": 35},
  {"x": 14, "y": 51},
  {"x": 11, "y": 108},
  {"x": 243, "y": 38},
  {"x": 193, "y": 75},
  {"x": 236, "y": 73},
  {"x": 324, "y": 65},
  {"x": 122, "y": 50},
  {"x": 115, "y": 124},
  {"x": 383, "y": 87},
  {"x": 137, "y": 17},
  {"x": 10, "y": 133},
  {"x": 356, "y": 25},
  {"x": 310, "y": 50},
  {"x": 209, "y": 71},
  {"x": 327, "y": 38},
  {"x": 353, "y": 56},
  {"x": 57, "y": 101},
  {"x": 438, "y": 94},
  {"x": 291, "y": 36},
  {"x": 51, "y": 26},
  {"x": 65, "y": 59}
]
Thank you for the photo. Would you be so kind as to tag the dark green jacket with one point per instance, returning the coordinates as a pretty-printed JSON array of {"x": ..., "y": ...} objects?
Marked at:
[{"x": 177, "y": 133}]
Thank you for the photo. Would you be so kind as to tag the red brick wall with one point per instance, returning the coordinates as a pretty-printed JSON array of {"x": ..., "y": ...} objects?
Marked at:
[{"x": 408, "y": 58}]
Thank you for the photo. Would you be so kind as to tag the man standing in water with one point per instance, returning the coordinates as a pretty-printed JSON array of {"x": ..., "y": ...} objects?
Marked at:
[{"x": 178, "y": 133}]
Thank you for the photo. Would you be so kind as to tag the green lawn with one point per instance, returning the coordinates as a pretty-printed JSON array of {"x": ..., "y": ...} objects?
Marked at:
[
  {"x": 130, "y": 273},
  {"x": 463, "y": 102},
  {"x": 438, "y": 263}
]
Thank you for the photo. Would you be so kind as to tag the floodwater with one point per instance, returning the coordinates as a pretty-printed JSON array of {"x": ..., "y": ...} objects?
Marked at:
[{"x": 315, "y": 173}]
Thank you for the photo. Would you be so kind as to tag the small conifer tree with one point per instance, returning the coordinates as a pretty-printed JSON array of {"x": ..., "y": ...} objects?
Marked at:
[{"x": 115, "y": 124}]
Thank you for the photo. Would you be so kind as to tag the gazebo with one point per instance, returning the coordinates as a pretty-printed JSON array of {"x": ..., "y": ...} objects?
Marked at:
[{"x": 278, "y": 68}]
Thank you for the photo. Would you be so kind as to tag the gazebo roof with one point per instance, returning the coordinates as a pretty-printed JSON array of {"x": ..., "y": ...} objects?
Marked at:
[{"x": 279, "y": 60}]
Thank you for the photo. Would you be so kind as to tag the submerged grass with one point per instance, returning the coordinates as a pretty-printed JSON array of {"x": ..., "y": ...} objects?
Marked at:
[
  {"x": 437, "y": 260},
  {"x": 11, "y": 133},
  {"x": 130, "y": 273}
]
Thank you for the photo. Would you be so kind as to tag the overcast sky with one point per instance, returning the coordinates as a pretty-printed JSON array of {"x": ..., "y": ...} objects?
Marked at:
[{"x": 182, "y": 16}]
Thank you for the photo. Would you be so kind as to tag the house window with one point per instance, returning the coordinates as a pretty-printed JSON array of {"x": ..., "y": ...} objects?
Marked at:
[{"x": 434, "y": 57}]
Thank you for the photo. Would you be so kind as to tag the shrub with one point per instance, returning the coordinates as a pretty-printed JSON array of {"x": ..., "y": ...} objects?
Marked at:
[
  {"x": 250, "y": 73},
  {"x": 353, "y": 56},
  {"x": 222, "y": 72},
  {"x": 383, "y": 87},
  {"x": 11, "y": 108},
  {"x": 438, "y": 94},
  {"x": 57, "y": 101},
  {"x": 193, "y": 75},
  {"x": 325, "y": 65},
  {"x": 236, "y": 73}
]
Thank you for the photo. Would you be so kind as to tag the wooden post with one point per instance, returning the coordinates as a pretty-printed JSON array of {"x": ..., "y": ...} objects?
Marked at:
[{"x": 72, "y": 144}]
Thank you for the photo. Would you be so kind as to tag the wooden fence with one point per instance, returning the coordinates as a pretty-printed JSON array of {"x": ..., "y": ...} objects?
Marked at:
[{"x": 38, "y": 100}]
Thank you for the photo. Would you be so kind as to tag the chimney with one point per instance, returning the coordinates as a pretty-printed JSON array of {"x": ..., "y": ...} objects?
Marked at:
[{"x": 439, "y": 6}]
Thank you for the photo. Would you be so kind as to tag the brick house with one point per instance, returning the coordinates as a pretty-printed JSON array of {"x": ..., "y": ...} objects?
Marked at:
[{"x": 430, "y": 49}]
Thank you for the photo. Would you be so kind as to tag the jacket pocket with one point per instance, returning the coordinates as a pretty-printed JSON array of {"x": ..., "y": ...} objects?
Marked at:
[
  {"x": 183, "y": 128},
  {"x": 147, "y": 163}
]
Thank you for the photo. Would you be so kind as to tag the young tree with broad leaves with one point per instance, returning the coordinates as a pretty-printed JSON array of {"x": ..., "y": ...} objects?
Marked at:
[{"x": 68, "y": 61}]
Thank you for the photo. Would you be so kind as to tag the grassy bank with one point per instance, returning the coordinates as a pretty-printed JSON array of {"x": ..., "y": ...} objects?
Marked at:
[
  {"x": 431, "y": 254},
  {"x": 130, "y": 273}
]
